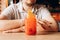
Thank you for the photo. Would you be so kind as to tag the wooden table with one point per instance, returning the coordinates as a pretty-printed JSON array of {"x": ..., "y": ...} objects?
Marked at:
[{"x": 23, "y": 36}]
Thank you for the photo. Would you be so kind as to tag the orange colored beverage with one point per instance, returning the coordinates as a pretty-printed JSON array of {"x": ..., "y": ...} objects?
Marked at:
[{"x": 30, "y": 24}]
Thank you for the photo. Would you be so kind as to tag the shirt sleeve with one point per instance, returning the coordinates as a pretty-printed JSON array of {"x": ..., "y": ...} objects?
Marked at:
[
  {"x": 8, "y": 11},
  {"x": 44, "y": 14}
]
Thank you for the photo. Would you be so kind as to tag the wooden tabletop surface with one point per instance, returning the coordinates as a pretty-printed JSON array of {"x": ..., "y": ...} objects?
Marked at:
[{"x": 23, "y": 36}]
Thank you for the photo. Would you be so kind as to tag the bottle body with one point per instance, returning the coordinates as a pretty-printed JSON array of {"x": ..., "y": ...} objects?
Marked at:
[{"x": 30, "y": 24}]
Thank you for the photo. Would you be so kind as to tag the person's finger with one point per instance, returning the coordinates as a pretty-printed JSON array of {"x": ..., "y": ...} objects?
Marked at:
[
  {"x": 45, "y": 26},
  {"x": 39, "y": 25},
  {"x": 48, "y": 23},
  {"x": 45, "y": 21}
]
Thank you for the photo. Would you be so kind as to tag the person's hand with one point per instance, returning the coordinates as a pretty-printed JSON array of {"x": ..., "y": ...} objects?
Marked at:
[{"x": 46, "y": 25}]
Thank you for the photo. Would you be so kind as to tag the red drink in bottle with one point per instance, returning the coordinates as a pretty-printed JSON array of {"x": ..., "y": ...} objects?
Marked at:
[{"x": 30, "y": 24}]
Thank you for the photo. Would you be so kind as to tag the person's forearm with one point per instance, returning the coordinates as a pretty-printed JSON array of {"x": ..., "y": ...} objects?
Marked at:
[{"x": 9, "y": 24}]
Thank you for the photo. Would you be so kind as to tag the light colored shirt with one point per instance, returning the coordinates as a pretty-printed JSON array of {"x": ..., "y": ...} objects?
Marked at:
[{"x": 15, "y": 11}]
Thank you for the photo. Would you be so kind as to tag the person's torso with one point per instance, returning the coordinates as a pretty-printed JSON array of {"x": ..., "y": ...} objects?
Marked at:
[{"x": 19, "y": 13}]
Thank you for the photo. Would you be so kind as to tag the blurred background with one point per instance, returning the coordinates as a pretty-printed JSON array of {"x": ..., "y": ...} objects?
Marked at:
[{"x": 52, "y": 5}]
